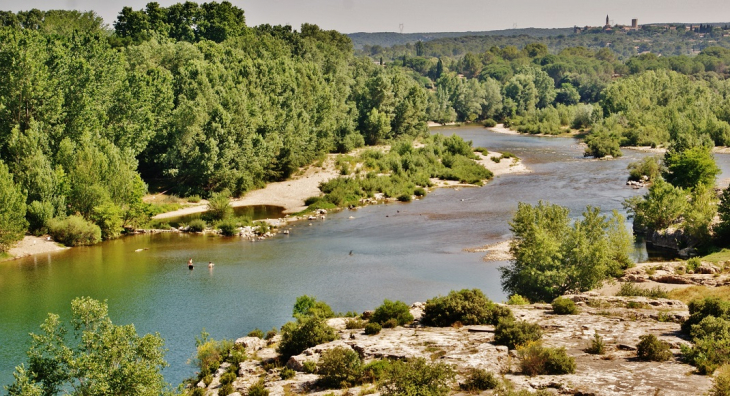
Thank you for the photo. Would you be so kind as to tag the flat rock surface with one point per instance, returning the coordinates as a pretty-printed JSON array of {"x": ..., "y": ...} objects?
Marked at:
[{"x": 617, "y": 372}]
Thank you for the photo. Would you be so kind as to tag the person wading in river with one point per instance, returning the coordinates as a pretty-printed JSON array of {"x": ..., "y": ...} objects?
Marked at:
[{"x": 190, "y": 263}]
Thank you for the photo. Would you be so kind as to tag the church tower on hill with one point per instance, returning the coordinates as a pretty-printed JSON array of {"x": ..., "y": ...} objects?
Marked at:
[{"x": 608, "y": 23}]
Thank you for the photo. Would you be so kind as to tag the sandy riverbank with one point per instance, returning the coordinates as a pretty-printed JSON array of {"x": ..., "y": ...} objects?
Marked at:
[
  {"x": 31, "y": 245},
  {"x": 290, "y": 194}
]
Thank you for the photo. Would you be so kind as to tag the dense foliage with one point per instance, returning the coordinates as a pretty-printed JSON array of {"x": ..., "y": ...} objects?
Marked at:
[
  {"x": 709, "y": 328},
  {"x": 553, "y": 256},
  {"x": 389, "y": 310},
  {"x": 99, "y": 357},
  {"x": 417, "y": 377},
  {"x": 468, "y": 307},
  {"x": 187, "y": 97}
]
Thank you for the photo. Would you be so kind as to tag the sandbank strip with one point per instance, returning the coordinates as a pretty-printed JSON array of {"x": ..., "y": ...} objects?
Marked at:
[{"x": 31, "y": 245}]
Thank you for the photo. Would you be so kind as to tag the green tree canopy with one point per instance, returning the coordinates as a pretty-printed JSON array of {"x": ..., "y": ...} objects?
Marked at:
[
  {"x": 553, "y": 256},
  {"x": 100, "y": 358},
  {"x": 12, "y": 210}
]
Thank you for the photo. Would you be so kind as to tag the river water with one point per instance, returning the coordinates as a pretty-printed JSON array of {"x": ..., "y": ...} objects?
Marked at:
[{"x": 409, "y": 252}]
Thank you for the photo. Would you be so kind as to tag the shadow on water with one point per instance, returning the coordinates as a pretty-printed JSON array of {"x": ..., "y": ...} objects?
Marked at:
[{"x": 409, "y": 252}]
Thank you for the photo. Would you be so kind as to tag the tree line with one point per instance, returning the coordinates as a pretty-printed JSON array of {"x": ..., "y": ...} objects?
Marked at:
[{"x": 187, "y": 98}]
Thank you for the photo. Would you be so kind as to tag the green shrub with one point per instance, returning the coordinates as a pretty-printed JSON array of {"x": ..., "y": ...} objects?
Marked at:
[
  {"x": 469, "y": 307},
  {"x": 417, "y": 377},
  {"x": 258, "y": 390},
  {"x": 479, "y": 380},
  {"x": 108, "y": 217},
  {"x": 693, "y": 264},
  {"x": 489, "y": 123},
  {"x": 597, "y": 347},
  {"x": 354, "y": 323},
  {"x": 287, "y": 373},
  {"x": 514, "y": 333},
  {"x": 194, "y": 198},
  {"x": 306, "y": 332},
  {"x": 651, "y": 167},
  {"x": 702, "y": 308},
  {"x": 375, "y": 370},
  {"x": 236, "y": 356},
  {"x": 390, "y": 323},
  {"x": 228, "y": 227},
  {"x": 256, "y": 333},
  {"x": 228, "y": 378},
  {"x": 372, "y": 328},
  {"x": 629, "y": 289},
  {"x": 219, "y": 206},
  {"x": 564, "y": 306},
  {"x": 312, "y": 200},
  {"x": 197, "y": 225},
  {"x": 652, "y": 349},
  {"x": 707, "y": 354},
  {"x": 516, "y": 299},
  {"x": 722, "y": 382},
  {"x": 74, "y": 231},
  {"x": 271, "y": 334},
  {"x": 309, "y": 366},
  {"x": 198, "y": 392},
  {"x": 210, "y": 353},
  {"x": 405, "y": 198},
  {"x": 538, "y": 360},
  {"x": 339, "y": 367},
  {"x": 38, "y": 215},
  {"x": 419, "y": 192},
  {"x": 397, "y": 310},
  {"x": 307, "y": 306}
]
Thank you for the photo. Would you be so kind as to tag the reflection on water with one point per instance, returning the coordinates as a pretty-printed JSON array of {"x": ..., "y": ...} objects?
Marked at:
[
  {"x": 409, "y": 252},
  {"x": 253, "y": 212}
]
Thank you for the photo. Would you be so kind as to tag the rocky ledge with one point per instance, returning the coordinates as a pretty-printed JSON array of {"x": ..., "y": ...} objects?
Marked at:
[{"x": 617, "y": 372}]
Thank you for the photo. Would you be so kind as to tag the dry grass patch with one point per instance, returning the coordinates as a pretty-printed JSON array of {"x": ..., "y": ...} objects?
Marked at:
[{"x": 698, "y": 292}]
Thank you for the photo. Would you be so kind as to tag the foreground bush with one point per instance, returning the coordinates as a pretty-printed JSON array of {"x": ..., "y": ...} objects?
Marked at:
[
  {"x": 516, "y": 299},
  {"x": 564, "y": 306},
  {"x": 707, "y": 354},
  {"x": 417, "y": 377},
  {"x": 709, "y": 306},
  {"x": 308, "y": 306},
  {"x": 197, "y": 225},
  {"x": 628, "y": 289},
  {"x": 258, "y": 389},
  {"x": 538, "y": 360},
  {"x": 722, "y": 382},
  {"x": 74, "y": 231},
  {"x": 469, "y": 307},
  {"x": 397, "y": 310},
  {"x": 97, "y": 356},
  {"x": 597, "y": 347},
  {"x": 305, "y": 333},
  {"x": 373, "y": 328},
  {"x": 340, "y": 367},
  {"x": 228, "y": 227},
  {"x": 514, "y": 333},
  {"x": 652, "y": 349},
  {"x": 479, "y": 380}
]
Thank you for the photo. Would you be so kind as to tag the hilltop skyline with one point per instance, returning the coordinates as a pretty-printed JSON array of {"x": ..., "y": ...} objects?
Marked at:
[{"x": 417, "y": 16}]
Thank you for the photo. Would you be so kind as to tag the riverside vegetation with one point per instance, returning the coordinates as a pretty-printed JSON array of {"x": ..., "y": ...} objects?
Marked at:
[{"x": 90, "y": 116}]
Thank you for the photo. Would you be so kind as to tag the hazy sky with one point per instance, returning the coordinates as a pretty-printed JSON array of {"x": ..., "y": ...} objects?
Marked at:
[{"x": 350, "y": 16}]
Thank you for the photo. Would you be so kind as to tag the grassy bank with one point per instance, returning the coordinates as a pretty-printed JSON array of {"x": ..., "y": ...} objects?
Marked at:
[{"x": 403, "y": 172}]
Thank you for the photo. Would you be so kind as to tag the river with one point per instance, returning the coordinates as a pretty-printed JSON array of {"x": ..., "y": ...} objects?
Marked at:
[{"x": 406, "y": 251}]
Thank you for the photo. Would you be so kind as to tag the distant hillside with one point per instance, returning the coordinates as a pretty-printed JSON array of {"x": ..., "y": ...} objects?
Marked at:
[{"x": 388, "y": 39}]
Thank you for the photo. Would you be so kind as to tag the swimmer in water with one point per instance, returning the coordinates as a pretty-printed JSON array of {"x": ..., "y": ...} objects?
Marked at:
[
  {"x": 190, "y": 263},
  {"x": 210, "y": 264}
]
